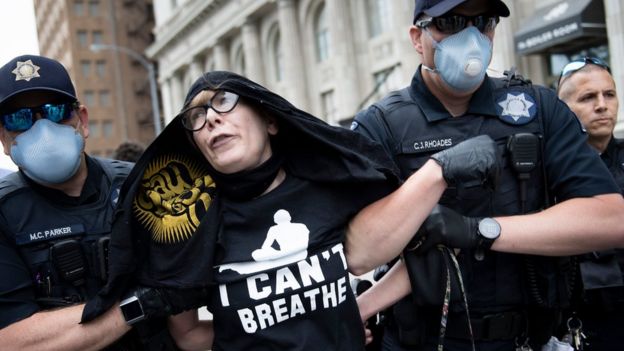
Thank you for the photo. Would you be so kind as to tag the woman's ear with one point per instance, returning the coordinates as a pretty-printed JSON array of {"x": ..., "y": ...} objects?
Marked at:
[{"x": 272, "y": 126}]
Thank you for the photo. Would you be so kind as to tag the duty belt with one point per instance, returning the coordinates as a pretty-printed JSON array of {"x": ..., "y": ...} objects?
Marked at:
[{"x": 499, "y": 326}]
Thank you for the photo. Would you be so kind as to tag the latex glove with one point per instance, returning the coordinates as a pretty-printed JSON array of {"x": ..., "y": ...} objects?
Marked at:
[
  {"x": 472, "y": 162},
  {"x": 448, "y": 228},
  {"x": 162, "y": 302}
]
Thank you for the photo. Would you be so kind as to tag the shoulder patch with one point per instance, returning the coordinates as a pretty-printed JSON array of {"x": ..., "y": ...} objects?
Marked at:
[{"x": 516, "y": 107}]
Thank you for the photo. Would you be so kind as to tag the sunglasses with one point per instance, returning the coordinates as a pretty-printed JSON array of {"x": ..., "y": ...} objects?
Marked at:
[
  {"x": 451, "y": 24},
  {"x": 22, "y": 119},
  {"x": 577, "y": 64},
  {"x": 194, "y": 118}
]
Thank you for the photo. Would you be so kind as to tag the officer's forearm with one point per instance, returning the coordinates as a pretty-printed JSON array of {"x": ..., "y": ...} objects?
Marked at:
[
  {"x": 571, "y": 227},
  {"x": 381, "y": 230},
  {"x": 60, "y": 330},
  {"x": 394, "y": 285}
]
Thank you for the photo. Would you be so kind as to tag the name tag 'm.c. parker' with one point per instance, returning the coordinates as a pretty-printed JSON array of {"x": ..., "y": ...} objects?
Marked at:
[{"x": 49, "y": 234}]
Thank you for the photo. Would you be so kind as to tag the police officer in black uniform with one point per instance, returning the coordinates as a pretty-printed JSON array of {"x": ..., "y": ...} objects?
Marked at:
[
  {"x": 55, "y": 215},
  {"x": 587, "y": 87},
  {"x": 554, "y": 196}
]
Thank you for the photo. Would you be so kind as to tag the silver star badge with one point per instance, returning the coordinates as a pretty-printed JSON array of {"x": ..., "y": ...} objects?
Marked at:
[
  {"x": 516, "y": 106},
  {"x": 26, "y": 71}
]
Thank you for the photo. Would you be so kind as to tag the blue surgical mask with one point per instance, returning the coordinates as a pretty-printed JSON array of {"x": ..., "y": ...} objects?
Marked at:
[
  {"x": 462, "y": 58},
  {"x": 49, "y": 152}
]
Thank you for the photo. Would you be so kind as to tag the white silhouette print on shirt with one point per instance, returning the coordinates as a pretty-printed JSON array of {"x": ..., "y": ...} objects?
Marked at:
[{"x": 285, "y": 243}]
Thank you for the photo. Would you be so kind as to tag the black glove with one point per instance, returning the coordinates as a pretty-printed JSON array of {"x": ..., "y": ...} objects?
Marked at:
[
  {"x": 446, "y": 227},
  {"x": 470, "y": 163},
  {"x": 161, "y": 302}
]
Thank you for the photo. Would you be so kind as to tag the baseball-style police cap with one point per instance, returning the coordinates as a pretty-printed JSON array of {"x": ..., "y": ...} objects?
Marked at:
[
  {"x": 34, "y": 73},
  {"x": 436, "y": 8}
]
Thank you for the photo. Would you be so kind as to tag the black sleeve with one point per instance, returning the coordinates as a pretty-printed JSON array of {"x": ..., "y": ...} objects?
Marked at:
[
  {"x": 573, "y": 168},
  {"x": 17, "y": 297},
  {"x": 370, "y": 123}
]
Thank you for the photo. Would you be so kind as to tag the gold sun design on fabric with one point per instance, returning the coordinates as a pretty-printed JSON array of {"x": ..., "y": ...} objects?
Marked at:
[{"x": 174, "y": 194}]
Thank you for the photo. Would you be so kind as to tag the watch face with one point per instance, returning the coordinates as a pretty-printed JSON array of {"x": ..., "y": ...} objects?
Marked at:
[
  {"x": 489, "y": 228},
  {"x": 131, "y": 309}
]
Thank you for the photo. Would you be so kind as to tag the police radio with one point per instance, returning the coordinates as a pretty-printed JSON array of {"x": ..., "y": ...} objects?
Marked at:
[
  {"x": 69, "y": 261},
  {"x": 524, "y": 151}
]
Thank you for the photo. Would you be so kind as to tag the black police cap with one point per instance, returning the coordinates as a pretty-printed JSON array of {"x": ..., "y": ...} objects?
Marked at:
[
  {"x": 435, "y": 8},
  {"x": 34, "y": 73}
]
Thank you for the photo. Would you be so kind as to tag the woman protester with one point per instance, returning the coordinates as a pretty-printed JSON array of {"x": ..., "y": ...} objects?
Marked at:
[{"x": 243, "y": 204}]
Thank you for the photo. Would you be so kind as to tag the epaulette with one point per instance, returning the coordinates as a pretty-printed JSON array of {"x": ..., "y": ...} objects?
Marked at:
[{"x": 513, "y": 78}]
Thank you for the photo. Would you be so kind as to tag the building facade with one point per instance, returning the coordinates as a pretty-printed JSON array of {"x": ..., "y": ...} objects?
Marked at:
[
  {"x": 333, "y": 57},
  {"x": 113, "y": 85}
]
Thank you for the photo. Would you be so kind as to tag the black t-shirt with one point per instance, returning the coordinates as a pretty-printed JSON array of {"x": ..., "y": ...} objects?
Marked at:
[{"x": 283, "y": 281}]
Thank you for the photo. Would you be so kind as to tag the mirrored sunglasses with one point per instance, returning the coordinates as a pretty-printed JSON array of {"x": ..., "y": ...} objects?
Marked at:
[
  {"x": 194, "y": 118},
  {"x": 24, "y": 118},
  {"x": 451, "y": 24},
  {"x": 577, "y": 64}
]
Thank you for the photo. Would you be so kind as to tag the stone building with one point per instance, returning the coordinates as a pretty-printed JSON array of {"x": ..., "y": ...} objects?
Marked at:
[
  {"x": 333, "y": 57},
  {"x": 113, "y": 85}
]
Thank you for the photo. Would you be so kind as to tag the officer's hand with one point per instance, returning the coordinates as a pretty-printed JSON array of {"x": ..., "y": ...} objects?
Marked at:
[
  {"x": 470, "y": 163},
  {"x": 162, "y": 302},
  {"x": 445, "y": 227}
]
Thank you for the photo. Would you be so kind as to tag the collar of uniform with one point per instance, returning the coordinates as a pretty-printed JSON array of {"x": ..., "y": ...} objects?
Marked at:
[
  {"x": 610, "y": 154},
  {"x": 89, "y": 190},
  {"x": 481, "y": 103}
]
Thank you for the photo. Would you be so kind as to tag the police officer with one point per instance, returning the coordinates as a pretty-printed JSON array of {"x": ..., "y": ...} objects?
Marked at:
[
  {"x": 554, "y": 196},
  {"x": 587, "y": 87},
  {"x": 55, "y": 215}
]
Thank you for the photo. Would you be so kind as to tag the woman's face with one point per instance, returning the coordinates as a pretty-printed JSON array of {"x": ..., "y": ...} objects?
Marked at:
[{"x": 234, "y": 141}]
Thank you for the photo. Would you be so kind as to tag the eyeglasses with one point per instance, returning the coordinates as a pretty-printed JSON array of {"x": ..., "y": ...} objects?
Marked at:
[
  {"x": 22, "y": 119},
  {"x": 577, "y": 64},
  {"x": 194, "y": 118},
  {"x": 451, "y": 24}
]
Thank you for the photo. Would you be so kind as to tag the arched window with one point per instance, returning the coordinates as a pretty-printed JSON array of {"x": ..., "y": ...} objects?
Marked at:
[
  {"x": 321, "y": 34},
  {"x": 378, "y": 16}
]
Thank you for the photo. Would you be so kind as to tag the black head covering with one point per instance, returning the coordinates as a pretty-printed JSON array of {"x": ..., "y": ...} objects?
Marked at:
[{"x": 145, "y": 250}]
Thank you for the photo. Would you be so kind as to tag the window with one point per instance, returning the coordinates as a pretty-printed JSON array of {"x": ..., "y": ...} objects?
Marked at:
[
  {"x": 105, "y": 98},
  {"x": 78, "y": 8},
  {"x": 94, "y": 129},
  {"x": 321, "y": 33},
  {"x": 329, "y": 109},
  {"x": 97, "y": 37},
  {"x": 85, "y": 67},
  {"x": 82, "y": 38},
  {"x": 378, "y": 17},
  {"x": 107, "y": 129},
  {"x": 100, "y": 68},
  {"x": 89, "y": 98},
  {"x": 94, "y": 8},
  {"x": 278, "y": 56},
  {"x": 239, "y": 61}
]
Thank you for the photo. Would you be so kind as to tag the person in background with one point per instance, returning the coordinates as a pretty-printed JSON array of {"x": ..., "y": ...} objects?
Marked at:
[
  {"x": 587, "y": 87},
  {"x": 55, "y": 216},
  {"x": 503, "y": 287},
  {"x": 129, "y": 151}
]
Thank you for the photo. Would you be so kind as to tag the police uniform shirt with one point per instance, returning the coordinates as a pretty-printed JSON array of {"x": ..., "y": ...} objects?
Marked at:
[
  {"x": 18, "y": 285},
  {"x": 613, "y": 157},
  {"x": 282, "y": 280},
  {"x": 412, "y": 129}
]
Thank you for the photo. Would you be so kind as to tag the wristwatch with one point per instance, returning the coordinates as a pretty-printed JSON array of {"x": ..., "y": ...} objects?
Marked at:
[
  {"x": 132, "y": 310},
  {"x": 489, "y": 230}
]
